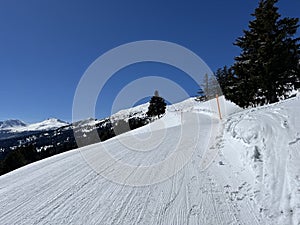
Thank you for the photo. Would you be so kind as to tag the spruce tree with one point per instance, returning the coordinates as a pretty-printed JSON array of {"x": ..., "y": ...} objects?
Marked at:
[
  {"x": 157, "y": 106},
  {"x": 227, "y": 82},
  {"x": 268, "y": 67}
]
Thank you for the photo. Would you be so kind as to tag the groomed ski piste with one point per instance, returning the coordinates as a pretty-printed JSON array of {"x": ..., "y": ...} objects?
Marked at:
[{"x": 189, "y": 167}]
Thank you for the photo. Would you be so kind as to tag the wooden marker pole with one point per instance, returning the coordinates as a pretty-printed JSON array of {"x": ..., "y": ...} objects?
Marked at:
[{"x": 219, "y": 109}]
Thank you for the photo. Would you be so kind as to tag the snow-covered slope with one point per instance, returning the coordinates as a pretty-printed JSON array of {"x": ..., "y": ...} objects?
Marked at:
[
  {"x": 219, "y": 180},
  {"x": 139, "y": 111}
]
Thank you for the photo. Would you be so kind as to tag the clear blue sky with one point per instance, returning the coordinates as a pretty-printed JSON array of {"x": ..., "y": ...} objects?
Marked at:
[{"x": 46, "y": 45}]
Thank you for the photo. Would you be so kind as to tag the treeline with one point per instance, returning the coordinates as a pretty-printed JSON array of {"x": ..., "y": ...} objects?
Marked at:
[{"x": 24, "y": 155}]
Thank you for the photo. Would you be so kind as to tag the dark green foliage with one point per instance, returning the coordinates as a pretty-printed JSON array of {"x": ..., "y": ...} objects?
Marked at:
[
  {"x": 106, "y": 132},
  {"x": 29, "y": 152},
  {"x": 228, "y": 83},
  {"x": 137, "y": 122},
  {"x": 13, "y": 160},
  {"x": 1, "y": 167},
  {"x": 122, "y": 126},
  {"x": 157, "y": 106},
  {"x": 268, "y": 67}
]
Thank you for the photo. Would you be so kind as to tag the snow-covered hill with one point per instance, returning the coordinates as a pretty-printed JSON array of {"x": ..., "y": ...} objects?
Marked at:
[{"x": 242, "y": 170}]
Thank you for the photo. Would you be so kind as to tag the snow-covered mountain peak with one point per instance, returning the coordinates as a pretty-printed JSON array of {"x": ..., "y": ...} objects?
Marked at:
[
  {"x": 48, "y": 124},
  {"x": 19, "y": 126},
  {"x": 11, "y": 123},
  {"x": 53, "y": 120}
]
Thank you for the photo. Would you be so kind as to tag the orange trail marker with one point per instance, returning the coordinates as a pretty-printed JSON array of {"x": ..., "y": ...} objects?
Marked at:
[{"x": 219, "y": 109}]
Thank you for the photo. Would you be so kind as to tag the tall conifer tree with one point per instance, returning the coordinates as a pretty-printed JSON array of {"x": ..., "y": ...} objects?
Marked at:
[{"x": 268, "y": 67}]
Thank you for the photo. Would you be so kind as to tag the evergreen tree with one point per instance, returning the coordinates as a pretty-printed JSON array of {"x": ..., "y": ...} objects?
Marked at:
[
  {"x": 268, "y": 67},
  {"x": 227, "y": 81},
  {"x": 157, "y": 106}
]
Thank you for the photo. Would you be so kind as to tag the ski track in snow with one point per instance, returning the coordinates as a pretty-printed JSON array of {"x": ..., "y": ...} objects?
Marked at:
[{"x": 64, "y": 189}]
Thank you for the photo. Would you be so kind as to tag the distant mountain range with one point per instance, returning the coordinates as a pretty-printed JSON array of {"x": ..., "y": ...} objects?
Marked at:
[
  {"x": 15, "y": 125},
  {"x": 53, "y": 136}
]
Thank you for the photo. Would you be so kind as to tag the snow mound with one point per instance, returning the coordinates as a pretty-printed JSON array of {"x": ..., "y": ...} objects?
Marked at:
[{"x": 267, "y": 139}]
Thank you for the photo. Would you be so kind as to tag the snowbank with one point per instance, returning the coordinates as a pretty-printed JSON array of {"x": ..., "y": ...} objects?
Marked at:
[{"x": 267, "y": 140}]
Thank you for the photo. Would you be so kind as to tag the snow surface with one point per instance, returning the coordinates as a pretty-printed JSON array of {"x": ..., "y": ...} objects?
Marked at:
[
  {"x": 267, "y": 139},
  {"x": 222, "y": 182}
]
